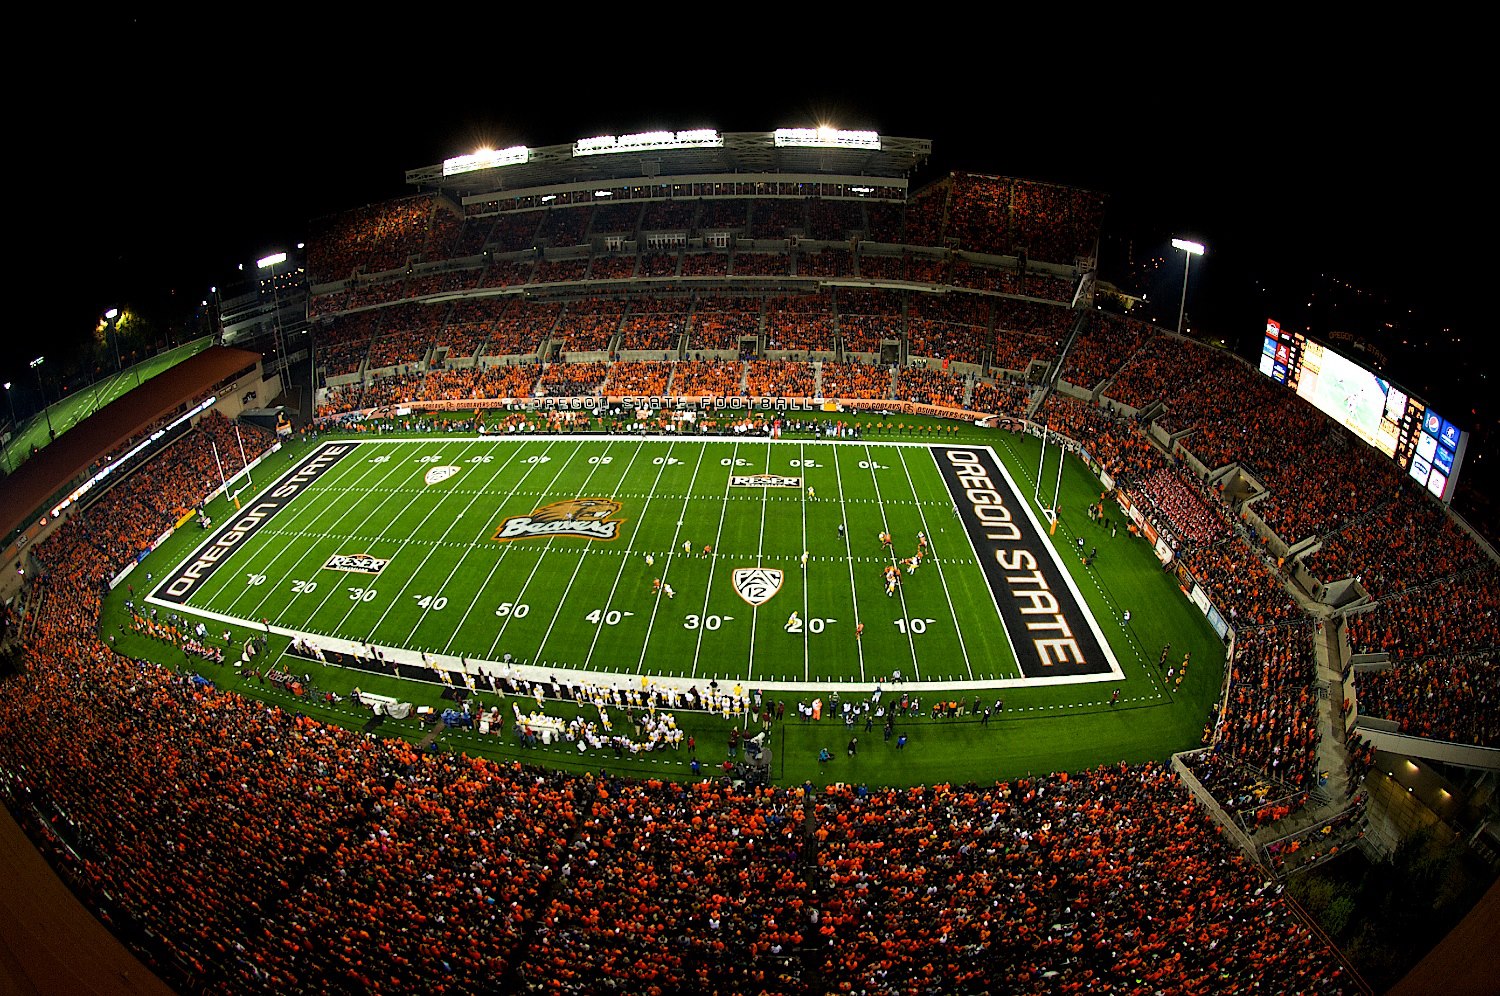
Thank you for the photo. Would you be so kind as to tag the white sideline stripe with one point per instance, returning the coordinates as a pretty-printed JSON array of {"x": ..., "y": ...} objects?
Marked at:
[
  {"x": 217, "y": 586},
  {"x": 318, "y": 511},
  {"x": 1115, "y": 671}
]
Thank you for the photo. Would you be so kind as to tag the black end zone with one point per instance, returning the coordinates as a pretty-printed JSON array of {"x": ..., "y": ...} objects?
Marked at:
[{"x": 1044, "y": 621}]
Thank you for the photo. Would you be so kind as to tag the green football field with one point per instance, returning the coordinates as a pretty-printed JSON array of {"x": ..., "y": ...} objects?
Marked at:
[
  {"x": 469, "y": 562},
  {"x": 695, "y": 516}
]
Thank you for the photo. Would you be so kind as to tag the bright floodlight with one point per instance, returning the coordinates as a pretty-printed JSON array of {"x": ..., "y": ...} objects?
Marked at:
[
  {"x": 826, "y": 138},
  {"x": 695, "y": 138},
  {"x": 1196, "y": 248},
  {"x": 271, "y": 260},
  {"x": 7, "y": 385},
  {"x": 37, "y": 362},
  {"x": 486, "y": 159},
  {"x": 112, "y": 314}
]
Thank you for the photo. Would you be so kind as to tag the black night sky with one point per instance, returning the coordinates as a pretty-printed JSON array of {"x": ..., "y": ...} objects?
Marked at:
[{"x": 1336, "y": 186}]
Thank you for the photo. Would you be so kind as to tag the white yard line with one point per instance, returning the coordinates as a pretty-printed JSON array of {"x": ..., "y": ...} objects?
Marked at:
[
  {"x": 411, "y": 578},
  {"x": 671, "y": 553},
  {"x": 900, "y": 588},
  {"x": 542, "y": 555},
  {"x": 859, "y": 645},
  {"x": 582, "y": 555},
  {"x": 309, "y": 507},
  {"x": 708, "y": 587},
  {"x": 806, "y": 652},
  {"x": 338, "y": 585},
  {"x": 629, "y": 551},
  {"x": 936, "y": 562},
  {"x": 760, "y": 550},
  {"x": 458, "y": 561}
]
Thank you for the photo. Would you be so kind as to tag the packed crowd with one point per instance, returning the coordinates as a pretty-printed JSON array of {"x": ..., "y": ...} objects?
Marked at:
[
  {"x": 855, "y": 380},
  {"x": 1455, "y": 698},
  {"x": 1240, "y": 583},
  {"x": 374, "y": 238},
  {"x": 930, "y": 386},
  {"x": 1402, "y": 625},
  {"x": 1408, "y": 541},
  {"x": 1105, "y": 344},
  {"x": 642, "y": 379},
  {"x": 561, "y": 380},
  {"x": 257, "y": 850},
  {"x": 1272, "y": 718},
  {"x": 1003, "y": 397},
  {"x": 779, "y": 379},
  {"x": 1119, "y": 445},
  {"x": 1193, "y": 512},
  {"x": 720, "y": 378}
]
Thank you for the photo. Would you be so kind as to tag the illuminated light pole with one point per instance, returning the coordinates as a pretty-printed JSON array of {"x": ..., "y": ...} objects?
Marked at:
[
  {"x": 36, "y": 365},
  {"x": 1189, "y": 250},
  {"x": 15, "y": 430},
  {"x": 283, "y": 380}
]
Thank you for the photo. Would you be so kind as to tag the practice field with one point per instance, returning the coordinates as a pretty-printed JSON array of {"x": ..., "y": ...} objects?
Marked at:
[{"x": 550, "y": 549}]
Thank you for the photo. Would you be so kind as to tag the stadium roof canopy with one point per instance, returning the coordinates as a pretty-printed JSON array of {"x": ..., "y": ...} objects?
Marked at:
[{"x": 669, "y": 155}]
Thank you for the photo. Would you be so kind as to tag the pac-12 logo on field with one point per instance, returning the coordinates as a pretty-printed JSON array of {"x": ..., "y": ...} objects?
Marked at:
[
  {"x": 437, "y": 475},
  {"x": 356, "y": 563},
  {"x": 586, "y": 518},
  {"x": 756, "y": 585}
]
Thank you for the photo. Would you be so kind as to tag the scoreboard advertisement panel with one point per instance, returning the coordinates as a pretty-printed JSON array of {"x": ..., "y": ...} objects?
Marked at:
[{"x": 1423, "y": 443}]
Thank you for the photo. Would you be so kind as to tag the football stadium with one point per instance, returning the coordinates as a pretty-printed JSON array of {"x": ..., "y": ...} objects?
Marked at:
[{"x": 740, "y": 562}]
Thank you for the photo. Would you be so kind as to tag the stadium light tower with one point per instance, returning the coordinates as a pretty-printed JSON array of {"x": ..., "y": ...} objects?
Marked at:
[
  {"x": 112, "y": 317},
  {"x": 36, "y": 365},
  {"x": 1189, "y": 250},
  {"x": 283, "y": 378}
]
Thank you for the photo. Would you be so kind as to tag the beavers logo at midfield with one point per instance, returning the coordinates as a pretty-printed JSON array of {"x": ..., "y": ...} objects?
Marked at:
[{"x": 586, "y": 518}]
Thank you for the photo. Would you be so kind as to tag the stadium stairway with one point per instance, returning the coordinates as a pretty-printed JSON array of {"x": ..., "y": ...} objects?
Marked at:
[{"x": 1330, "y": 794}]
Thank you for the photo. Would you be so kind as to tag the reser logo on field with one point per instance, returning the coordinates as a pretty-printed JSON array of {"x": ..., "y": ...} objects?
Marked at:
[
  {"x": 585, "y": 518},
  {"x": 764, "y": 481},
  {"x": 356, "y": 563}
]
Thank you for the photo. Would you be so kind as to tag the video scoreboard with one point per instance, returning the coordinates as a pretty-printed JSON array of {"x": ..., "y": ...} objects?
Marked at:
[{"x": 1426, "y": 445}]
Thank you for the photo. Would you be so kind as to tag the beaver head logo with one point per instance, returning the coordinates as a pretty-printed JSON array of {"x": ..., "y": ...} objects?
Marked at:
[
  {"x": 584, "y": 518},
  {"x": 577, "y": 510}
]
